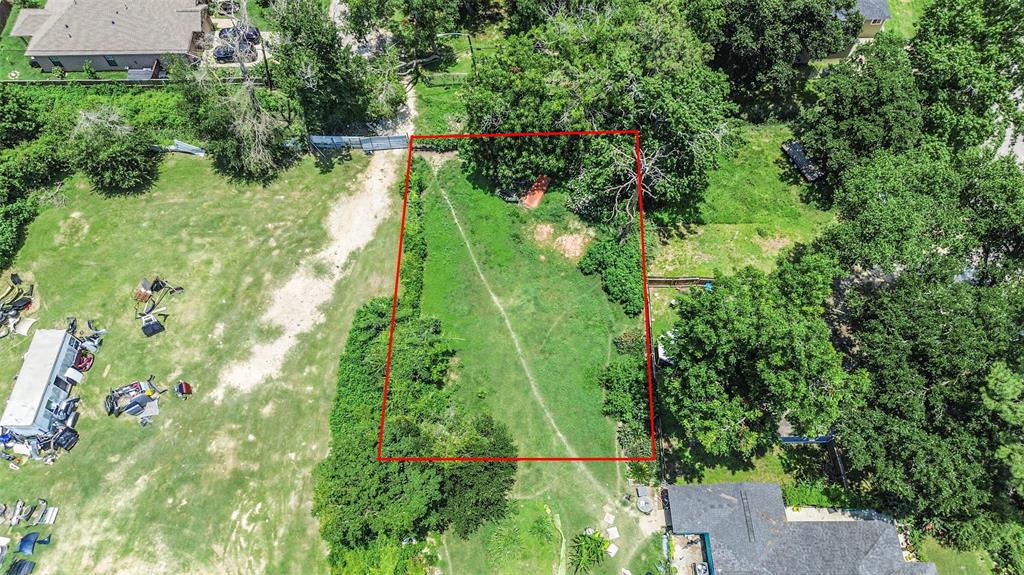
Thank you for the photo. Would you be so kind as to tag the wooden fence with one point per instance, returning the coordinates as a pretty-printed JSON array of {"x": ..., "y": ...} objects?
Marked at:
[{"x": 677, "y": 282}]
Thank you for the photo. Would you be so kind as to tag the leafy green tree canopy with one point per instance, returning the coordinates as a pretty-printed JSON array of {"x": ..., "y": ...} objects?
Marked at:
[
  {"x": 754, "y": 351},
  {"x": 115, "y": 156},
  {"x": 759, "y": 42},
  {"x": 865, "y": 104},
  {"x": 632, "y": 66},
  {"x": 967, "y": 55}
]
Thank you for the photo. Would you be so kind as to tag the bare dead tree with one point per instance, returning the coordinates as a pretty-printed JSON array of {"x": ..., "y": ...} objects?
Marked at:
[
  {"x": 105, "y": 118},
  {"x": 624, "y": 195},
  {"x": 256, "y": 130}
]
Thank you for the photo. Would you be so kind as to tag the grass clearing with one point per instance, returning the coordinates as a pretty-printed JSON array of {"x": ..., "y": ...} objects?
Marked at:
[
  {"x": 751, "y": 212},
  {"x": 952, "y": 562},
  {"x": 565, "y": 325},
  {"x": 438, "y": 90},
  {"x": 905, "y": 15},
  {"x": 207, "y": 487}
]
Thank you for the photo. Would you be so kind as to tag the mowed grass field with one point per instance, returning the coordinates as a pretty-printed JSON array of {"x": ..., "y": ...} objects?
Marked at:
[
  {"x": 565, "y": 326},
  {"x": 208, "y": 487}
]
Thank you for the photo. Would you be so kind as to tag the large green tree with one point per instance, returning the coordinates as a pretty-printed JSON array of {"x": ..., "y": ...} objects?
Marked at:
[
  {"x": 19, "y": 116},
  {"x": 865, "y": 104},
  {"x": 414, "y": 24},
  {"x": 925, "y": 441},
  {"x": 760, "y": 42},
  {"x": 902, "y": 210},
  {"x": 333, "y": 86},
  {"x": 898, "y": 210},
  {"x": 113, "y": 155},
  {"x": 755, "y": 350},
  {"x": 967, "y": 55},
  {"x": 631, "y": 66}
]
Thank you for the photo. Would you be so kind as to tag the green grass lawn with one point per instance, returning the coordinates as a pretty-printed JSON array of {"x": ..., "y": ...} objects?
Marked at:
[
  {"x": 438, "y": 89},
  {"x": 564, "y": 323},
  {"x": 208, "y": 487},
  {"x": 752, "y": 210},
  {"x": 952, "y": 562},
  {"x": 905, "y": 14}
]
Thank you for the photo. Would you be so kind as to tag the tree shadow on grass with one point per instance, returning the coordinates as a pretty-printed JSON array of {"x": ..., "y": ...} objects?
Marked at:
[
  {"x": 235, "y": 172},
  {"x": 686, "y": 460},
  {"x": 147, "y": 179},
  {"x": 326, "y": 160}
]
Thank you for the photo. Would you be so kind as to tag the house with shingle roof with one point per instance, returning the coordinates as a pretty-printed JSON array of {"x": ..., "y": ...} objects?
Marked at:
[
  {"x": 111, "y": 34},
  {"x": 746, "y": 532}
]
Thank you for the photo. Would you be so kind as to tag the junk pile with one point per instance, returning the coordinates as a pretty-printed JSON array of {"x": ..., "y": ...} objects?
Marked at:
[
  {"x": 138, "y": 399},
  {"x": 149, "y": 295},
  {"x": 26, "y": 517},
  {"x": 41, "y": 414},
  {"x": 16, "y": 300}
]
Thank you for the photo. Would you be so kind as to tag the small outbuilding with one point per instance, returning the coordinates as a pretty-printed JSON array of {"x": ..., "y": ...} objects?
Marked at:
[{"x": 42, "y": 384}]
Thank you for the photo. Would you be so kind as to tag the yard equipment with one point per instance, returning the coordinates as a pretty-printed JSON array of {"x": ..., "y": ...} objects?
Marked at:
[
  {"x": 137, "y": 398},
  {"x": 151, "y": 308},
  {"x": 183, "y": 389}
]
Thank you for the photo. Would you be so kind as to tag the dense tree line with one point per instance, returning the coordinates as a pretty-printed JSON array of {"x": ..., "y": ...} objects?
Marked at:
[
  {"x": 959, "y": 82},
  {"x": 631, "y": 66},
  {"x": 762, "y": 44},
  {"x": 365, "y": 505},
  {"x": 900, "y": 329}
]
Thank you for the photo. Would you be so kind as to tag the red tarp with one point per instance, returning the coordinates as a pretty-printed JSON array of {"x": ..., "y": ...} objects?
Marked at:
[{"x": 536, "y": 193}]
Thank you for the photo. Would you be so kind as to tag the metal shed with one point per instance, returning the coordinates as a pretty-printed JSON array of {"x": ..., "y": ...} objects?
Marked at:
[{"x": 40, "y": 385}]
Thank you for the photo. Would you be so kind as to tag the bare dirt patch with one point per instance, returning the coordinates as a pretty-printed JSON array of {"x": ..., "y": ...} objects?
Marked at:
[
  {"x": 772, "y": 245},
  {"x": 295, "y": 308},
  {"x": 572, "y": 246},
  {"x": 72, "y": 230},
  {"x": 543, "y": 232}
]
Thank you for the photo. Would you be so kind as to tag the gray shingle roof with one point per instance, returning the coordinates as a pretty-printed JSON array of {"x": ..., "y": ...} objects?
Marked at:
[
  {"x": 749, "y": 535},
  {"x": 111, "y": 27},
  {"x": 874, "y": 9}
]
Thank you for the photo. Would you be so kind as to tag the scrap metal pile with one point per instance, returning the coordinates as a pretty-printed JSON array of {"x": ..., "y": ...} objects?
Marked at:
[
  {"x": 61, "y": 435},
  {"x": 26, "y": 517},
  {"x": 16, "y": 299},
  {"x": 138, "y": 399}
]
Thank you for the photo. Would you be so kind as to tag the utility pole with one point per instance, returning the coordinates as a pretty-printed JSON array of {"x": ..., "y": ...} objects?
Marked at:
[{"x": 266, "y": 64}]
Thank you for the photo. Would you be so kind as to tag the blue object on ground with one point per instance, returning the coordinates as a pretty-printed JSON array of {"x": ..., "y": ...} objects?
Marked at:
[{"x": 28, "y": 543}]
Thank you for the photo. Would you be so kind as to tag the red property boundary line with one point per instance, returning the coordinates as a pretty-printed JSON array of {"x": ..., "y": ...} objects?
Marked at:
[{"x": 643, "y": 267}]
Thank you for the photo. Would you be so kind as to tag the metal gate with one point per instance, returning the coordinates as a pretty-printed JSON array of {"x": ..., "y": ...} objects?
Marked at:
[{"x": 368, "y": 144}]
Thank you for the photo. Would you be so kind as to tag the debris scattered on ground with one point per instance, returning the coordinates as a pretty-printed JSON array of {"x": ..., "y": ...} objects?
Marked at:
[{"x": 149, "y": 297}]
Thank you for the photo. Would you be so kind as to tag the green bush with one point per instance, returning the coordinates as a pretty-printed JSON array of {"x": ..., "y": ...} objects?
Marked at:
[
  {"x": 115, "y": 158},
  {"x": 414, "y": 245},
  {"x": 31, "y": 165},
  {"x": 815, "y": 494},
  {"x": 13, "y": 219},
  {"x": 618, "y": 262}
]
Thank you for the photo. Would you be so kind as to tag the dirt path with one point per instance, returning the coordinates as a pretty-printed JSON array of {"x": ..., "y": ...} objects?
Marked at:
[
  {"x": 534, "y": 388},
  {"x": 294, "y": 309}
]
